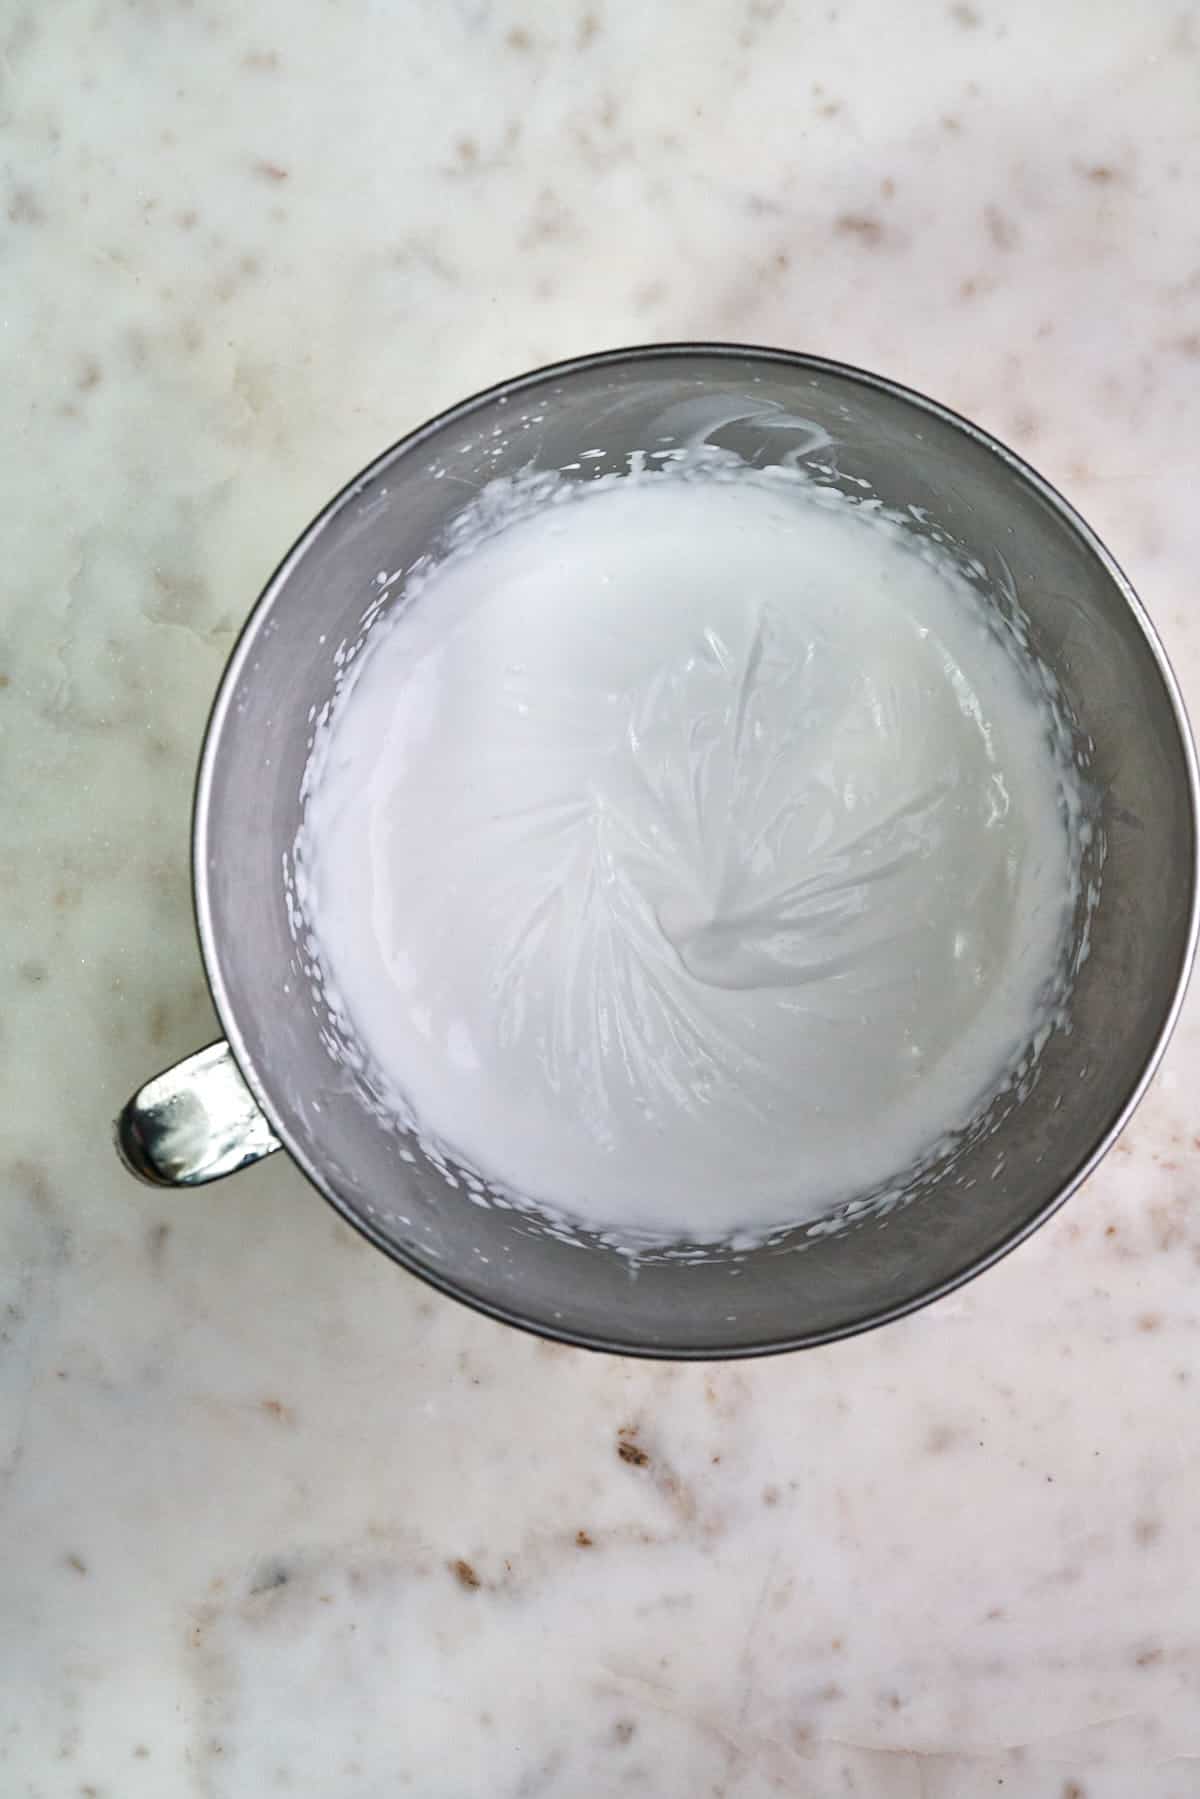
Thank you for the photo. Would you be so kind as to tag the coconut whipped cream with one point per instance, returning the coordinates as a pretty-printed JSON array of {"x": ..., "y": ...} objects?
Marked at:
[{"x": 689, "y": 855}]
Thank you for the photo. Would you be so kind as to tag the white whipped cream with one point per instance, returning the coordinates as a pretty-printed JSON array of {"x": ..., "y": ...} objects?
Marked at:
[{"x": 690, "y": 856}]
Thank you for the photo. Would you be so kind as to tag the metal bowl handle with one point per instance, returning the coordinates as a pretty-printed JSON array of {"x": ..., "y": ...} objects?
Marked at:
[{"x": 193, "y": 1123}]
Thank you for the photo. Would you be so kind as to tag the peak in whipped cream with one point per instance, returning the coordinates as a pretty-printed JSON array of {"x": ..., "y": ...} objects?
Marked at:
[{"x": 689, "y": 854}]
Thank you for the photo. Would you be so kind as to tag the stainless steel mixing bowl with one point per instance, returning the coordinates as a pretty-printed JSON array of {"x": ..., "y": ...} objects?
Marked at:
[{"x": 205, "y": 1118}]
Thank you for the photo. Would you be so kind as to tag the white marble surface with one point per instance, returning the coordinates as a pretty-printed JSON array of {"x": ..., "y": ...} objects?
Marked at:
[{"x": 273, "y": 1517}]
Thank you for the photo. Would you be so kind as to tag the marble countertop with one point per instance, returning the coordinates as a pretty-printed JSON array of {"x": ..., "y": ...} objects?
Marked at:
[{"x": 273, "y": 1516}]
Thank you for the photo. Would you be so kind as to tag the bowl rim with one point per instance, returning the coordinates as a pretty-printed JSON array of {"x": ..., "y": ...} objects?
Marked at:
[{"x": 444, "y": 1281}]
